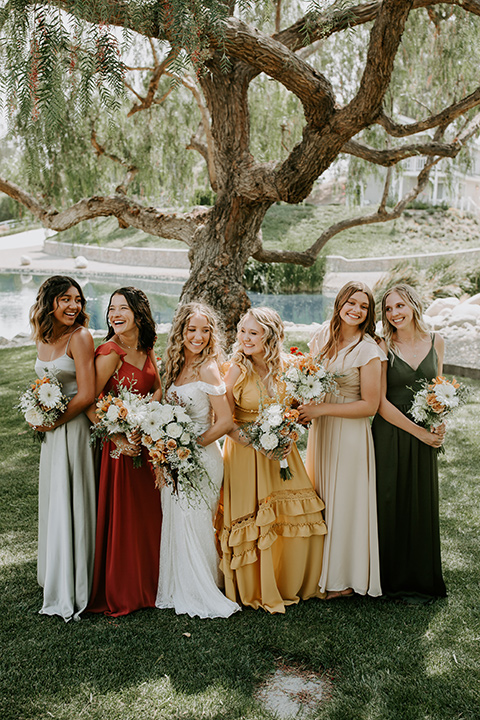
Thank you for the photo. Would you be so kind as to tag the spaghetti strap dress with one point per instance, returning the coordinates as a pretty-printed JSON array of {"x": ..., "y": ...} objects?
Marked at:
[
  {"x": 129, "y": 516},
  {"x": 270, "y": 530},
  {"x": 407, "y": 493},
  {"x": 66, "y": 517},
  {"x": 340, "y": 459}
]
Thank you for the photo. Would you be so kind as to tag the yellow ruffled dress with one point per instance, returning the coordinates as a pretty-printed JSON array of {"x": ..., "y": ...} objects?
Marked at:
[{"x": 270, "y": 530}]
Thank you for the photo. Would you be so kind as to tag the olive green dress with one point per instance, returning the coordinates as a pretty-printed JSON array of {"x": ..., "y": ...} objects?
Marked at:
[{"x": 407, "y": 493}]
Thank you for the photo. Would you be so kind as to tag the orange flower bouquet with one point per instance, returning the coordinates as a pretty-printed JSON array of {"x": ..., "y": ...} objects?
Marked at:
[
  {"x": 435, "y": 400},
  {"x": 43, "y": 402},
  {"x": 170, "y": 437},
  {"x": 120, "y": 412},
  {"x": 274, "y": 430},
  {"x": 306, "y": 378}
]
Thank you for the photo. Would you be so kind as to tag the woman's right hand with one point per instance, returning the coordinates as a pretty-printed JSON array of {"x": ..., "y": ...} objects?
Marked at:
[
  {"x": 125, "y": 447},
  {"x": 434, "y": 437}
]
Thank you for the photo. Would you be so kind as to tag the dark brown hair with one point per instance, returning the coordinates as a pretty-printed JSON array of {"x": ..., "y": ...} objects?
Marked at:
[{"x": 42, "y": 310}]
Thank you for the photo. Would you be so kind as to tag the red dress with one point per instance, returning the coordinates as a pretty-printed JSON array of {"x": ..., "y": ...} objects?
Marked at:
[{"x": 129, "y": 518}]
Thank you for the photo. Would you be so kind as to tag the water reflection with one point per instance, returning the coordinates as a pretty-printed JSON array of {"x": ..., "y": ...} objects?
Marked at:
[{"x": 18, "y": 293}]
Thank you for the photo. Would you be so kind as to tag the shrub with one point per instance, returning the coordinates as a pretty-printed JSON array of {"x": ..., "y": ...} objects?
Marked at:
[{"x": 284, "y": 278}]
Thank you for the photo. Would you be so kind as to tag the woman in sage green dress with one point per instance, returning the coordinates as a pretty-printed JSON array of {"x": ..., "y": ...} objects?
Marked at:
[{"x": 406, "y": 455}]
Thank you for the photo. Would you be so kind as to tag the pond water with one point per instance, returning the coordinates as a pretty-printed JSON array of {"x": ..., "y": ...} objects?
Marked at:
[{"x": 18, "y": 292}]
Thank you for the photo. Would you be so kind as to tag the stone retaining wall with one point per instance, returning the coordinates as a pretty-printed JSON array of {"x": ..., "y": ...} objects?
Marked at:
[
  {"x": 148, "y": 257},
  {"x": 337, "y": 263}
]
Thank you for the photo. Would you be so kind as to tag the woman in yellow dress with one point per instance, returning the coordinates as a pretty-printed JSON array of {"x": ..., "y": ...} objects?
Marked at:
[{"x": 271, "y": 530}]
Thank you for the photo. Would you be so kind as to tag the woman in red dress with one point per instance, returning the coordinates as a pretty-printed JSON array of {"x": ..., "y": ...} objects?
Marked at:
[{"x": 129, "y": 511}]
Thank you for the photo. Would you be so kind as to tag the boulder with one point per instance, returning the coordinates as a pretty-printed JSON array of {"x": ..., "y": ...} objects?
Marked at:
[
  {"x": 442, "y": 304},
  {"x": 80, "y": 262},
  {"x": 474, "y": 300}
]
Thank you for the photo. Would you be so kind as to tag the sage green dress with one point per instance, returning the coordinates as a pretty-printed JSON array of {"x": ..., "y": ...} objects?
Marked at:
[{"x": 407, "y": 493}]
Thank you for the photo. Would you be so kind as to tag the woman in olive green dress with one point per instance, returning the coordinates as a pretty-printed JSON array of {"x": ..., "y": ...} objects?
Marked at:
[{"x": 406, "y": 455}]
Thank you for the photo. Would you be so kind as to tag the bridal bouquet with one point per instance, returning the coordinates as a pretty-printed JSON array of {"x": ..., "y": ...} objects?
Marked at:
[
  {"x": 43, "y": 402},
  {"x": 120, "y": 412},
  {"x": 171, "y": 439},
  {"x": 275, "y": 428},
  {"x": 435, "y": 400},
  {"x": 306, "y": 378}
]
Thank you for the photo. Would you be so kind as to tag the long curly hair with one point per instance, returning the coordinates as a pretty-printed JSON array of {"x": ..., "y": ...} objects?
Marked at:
[
  {"x": 366, "y": 328},
  {"x": 41, "y": 312},
  {"x": 138, "y": 303},
  {"x": 272, "y": 338},
  {"x": 175, "y": 355},
  {"x": 411, "y": 298}
]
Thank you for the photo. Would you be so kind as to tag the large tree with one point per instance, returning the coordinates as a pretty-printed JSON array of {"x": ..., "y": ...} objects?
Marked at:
[{"x": 57, "y": 54}]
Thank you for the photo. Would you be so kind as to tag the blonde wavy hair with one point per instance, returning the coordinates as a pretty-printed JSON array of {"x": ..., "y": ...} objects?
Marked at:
[
  {"x": 175, "y": 356},
  {"x": 46, "y": 303},
  {"x": 366, "y": 328},
  {"x": 411, "y": 298},
  {"x": 272, "y": 338}
]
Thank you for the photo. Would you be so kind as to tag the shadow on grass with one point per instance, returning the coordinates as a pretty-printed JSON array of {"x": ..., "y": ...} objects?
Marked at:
[{"x": 373, "y": 649}]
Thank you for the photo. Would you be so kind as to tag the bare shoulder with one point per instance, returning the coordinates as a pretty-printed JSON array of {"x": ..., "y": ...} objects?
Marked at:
[
  {"x": 210, "y": 373},
  {"x": 233, "y": 373},
  {"x": 438, "y": 341},
  {"x": 82, "y": 340}
]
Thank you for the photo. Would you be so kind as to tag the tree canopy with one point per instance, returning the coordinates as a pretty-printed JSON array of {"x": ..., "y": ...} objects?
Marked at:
[{"x": 379, "y": 81}]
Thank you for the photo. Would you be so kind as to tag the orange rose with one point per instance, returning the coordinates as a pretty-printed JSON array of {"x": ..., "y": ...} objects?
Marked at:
[
  {"x": 183, "y": 453},
  {"x": 294, "y": 436},
  {"x": 171, "y": 444},
  {"x": 435, "y": 404}
]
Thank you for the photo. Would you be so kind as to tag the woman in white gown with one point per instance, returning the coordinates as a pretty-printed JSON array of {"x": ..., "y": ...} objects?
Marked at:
[{"x": 188, "y": 579}]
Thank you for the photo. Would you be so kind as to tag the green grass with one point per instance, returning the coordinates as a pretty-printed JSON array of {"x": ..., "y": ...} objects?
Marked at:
[
  {"x": 297, "y": 227},
  {"x": 386, "y": 661}
]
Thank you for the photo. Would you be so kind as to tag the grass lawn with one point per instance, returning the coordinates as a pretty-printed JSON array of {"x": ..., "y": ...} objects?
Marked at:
[
  {"x": 386, "y": 661},
  {"x": 296, "y": 227}
]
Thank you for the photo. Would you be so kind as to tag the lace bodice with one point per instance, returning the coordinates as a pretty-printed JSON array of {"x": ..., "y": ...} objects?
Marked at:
[{"x": 194, "y": 396}]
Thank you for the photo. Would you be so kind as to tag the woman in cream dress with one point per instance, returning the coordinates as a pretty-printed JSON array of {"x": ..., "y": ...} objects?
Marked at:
[{"x": 340, "y": 454}]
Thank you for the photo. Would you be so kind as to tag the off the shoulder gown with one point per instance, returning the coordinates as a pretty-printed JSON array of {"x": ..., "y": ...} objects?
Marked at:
[{"x": 189, "y": 563}]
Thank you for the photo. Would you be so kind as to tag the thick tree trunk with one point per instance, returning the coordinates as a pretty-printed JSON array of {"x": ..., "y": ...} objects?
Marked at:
[{"x": 218, "y": 256}]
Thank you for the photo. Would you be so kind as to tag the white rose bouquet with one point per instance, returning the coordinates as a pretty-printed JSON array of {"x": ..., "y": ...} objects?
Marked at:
[
  {"x": 306, "y": 378},
  {"x": 436, "y": 399},
  {"x": 120, "y": 412},
  {"x": 273, "y": 431},
  {"x": 43, "y": 402},
  {"x": 171, "y": 439}
]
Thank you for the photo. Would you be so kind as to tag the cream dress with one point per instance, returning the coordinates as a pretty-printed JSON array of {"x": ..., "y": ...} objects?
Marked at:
[{"x": 341, "y": 460}]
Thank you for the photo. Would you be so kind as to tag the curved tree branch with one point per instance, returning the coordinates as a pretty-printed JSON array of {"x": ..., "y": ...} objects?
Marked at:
[
  {"x": 443, "y": 118},
  {"x": 392, "y": 156},
  {"x": 320, "y": 26},
  {"x": 132, "y": 170},
  {"x": 308, "y": 257},
  {"x": 128, "y": 212}
]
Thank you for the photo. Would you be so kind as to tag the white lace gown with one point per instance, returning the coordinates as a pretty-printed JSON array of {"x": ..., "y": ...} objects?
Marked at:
[{"x": 188, "y": 578}]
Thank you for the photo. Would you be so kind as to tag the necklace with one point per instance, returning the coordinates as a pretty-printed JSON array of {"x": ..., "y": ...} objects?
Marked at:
[
  {"x": 413, "y": 346},
  {"x": 128, "y": 347},
  {"x": 54, "y": 342}
]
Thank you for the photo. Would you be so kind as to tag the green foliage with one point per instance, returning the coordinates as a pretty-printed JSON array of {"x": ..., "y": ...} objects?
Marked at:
[{"x": 284, "y": 278}]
